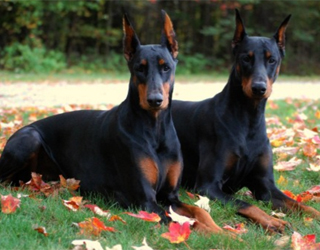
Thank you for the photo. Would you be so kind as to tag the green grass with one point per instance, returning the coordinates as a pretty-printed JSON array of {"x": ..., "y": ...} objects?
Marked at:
[{"x": 17, "y": 229}]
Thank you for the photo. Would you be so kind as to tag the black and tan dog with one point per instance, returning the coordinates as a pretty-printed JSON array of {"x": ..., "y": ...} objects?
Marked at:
[
  {"x": 223, "y": 139},
  {"x": 130, "y": 152}
]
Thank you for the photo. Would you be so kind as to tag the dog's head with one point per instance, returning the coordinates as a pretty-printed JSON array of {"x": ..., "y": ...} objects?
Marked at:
[
  {"x": 258, "y": 59},
  {"x": 152, "y": 67}
]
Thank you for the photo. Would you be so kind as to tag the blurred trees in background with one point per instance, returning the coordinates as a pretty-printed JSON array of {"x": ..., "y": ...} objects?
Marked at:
[{"x": 48, "y": 36}]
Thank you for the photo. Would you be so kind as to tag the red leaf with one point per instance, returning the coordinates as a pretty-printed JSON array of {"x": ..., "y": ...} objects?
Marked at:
[
  {"x": 143, "y": 215},
  {"x": 177, "y": 233},
  {"x": 9, "y": 204},
  {"x": 307, "y": 242}
]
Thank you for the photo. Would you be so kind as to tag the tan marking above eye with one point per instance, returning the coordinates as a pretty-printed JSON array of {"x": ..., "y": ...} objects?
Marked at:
[
  {"x": 143, "y": 62},
  {"x": 161, "y": 61},
  {"x": 268, "y": 54},
  {"x": 250, "y": 53}
]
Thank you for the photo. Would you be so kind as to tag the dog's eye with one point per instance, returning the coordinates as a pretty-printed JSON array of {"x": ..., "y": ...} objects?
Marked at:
[
  {"x": 246, "y": 59},
  {"x": 166, "y": 68},
  {"x": 271, "y": 60},
  {"x": 140, "y": 68}
]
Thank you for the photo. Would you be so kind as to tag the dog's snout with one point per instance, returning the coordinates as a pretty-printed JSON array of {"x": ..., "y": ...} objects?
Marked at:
[
  {"x": 259, "y": 88},
  {"x": 155, "y": 100}
]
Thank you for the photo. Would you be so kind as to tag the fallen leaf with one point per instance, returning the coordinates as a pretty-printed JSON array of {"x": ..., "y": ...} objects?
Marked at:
[
  {"x": 41, "y": 230},
  {"x": 73, "y": 203},
  {"x": 282, "y": 241},
  {"x": 117, "y": 217},
  {"x": 179, "y": 218},
  {"x": 203, "y": 202},
  {"x": 9, "y": 204},
  {"x": 278, "y": 214},
  {"x": 310, "y": 150},
  {"x": 314, "y": 190},
  {"x": 307, "y": 242},
  {"x": 71, "y": 184},
  {"x": 238, "y": 229},
  {"x": 97, "y": 210},
  {"x": 282, "y": 181},
  {"x": 287, "y": 165},
  {"x": 305, "y": 196},
  {"x": 292, "y": 195},
  {"x": 93, "y": 226},
  {"x": 308, "y": 221},
  {"x": 144, "y": 246},
  {"x": 177, "y": 233},
  {"x": 143, "y": 215},
  {"x": 89, "y": 244},
  {"x": 315, "y": 167},
  {"x": 115, "y": 247}
]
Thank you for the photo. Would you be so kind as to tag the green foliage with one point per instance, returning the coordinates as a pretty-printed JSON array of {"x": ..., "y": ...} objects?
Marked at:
[
  {"x": 23, "y": 58},
  {"x": 196, "y": 63}
]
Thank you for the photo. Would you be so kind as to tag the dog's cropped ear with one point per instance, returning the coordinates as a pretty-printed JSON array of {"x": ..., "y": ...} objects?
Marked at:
[
  {"x": 280, "y": 35},
  {"x": 239, "y": 32},
  {"x": 168, "y": 37},
  {"x": 130, "y": 39}
]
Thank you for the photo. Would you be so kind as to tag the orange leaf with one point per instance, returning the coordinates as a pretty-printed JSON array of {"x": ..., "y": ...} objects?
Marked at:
[
  {"x": 117, "y": 217},
  {"x": 239, "y": 228},
  {"x": 9, "y": 204},
  {"x": 317, "y": 114},
  {"x": 306, "y": 196},
  {"x": 93, "y": 226},
  {"x": 42, "y": 230},
  {"x": 143, "y": 215},
  {"x": 289, "y": 194},
  {"x": 73, "y": 203},
  {"x": 71, "y": 184},
  {"x": 177, "y": 233},
  {"x": 310, "y": 150}
]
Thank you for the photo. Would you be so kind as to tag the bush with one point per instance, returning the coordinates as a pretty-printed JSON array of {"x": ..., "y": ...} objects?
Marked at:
[
  {"x": 22, "y": 58},
  {"x": 196, "y": 63}
]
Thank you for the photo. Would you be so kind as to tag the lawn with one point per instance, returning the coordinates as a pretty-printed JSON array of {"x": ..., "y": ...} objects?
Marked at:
[{"x": 293, "y": 124}]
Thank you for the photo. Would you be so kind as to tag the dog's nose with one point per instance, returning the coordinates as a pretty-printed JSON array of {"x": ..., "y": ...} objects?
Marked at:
[
  {"x": 155, "y": 100},
  {"x": 259, "y": 88}
]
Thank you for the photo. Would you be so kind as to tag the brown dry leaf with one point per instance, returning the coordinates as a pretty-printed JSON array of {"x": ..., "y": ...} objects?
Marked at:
[
  {"x": 71, "y": 184},
  {"x": 41, "y": 230}
]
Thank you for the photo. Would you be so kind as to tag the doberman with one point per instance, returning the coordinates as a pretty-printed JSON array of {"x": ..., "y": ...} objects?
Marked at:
[
  {"x": 130, "y": 152},
  {"x": 223, "y": 139}
]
